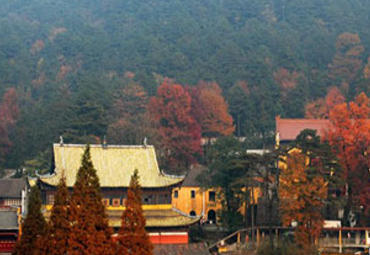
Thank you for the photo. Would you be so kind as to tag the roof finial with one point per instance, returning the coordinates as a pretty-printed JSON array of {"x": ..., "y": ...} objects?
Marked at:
[
  {"x": 145, "y": 141},
  {"x": 61, "y": 140},
  {"x": 104, "y": 142}
]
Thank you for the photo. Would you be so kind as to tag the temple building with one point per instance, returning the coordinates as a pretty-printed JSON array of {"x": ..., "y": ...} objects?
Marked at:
[
  {"x": 287, "y": 130},
  {"x": 12, "y": 205},
  {"x": 115, "y": 165},
  {"x": 195, "y": 200}
]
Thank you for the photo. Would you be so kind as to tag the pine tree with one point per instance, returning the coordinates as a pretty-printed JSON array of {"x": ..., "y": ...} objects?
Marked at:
[
  {"x": 55, "y": 240},
  {"x": 133, "y": 239},
  {"x": 33, "y": 227},
  {"x": 90, "y": 233}
]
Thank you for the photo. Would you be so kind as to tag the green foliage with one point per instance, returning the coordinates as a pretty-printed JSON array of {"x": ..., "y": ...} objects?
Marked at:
[
  {"x": 41, "y": 164},
  {"x": 65, "y": 58},
  {"x": 223, "y": 157},
  {"x": 323, "y": 162}
]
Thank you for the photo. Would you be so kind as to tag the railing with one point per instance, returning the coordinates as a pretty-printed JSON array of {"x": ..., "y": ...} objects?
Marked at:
[{"x": 339, "y": 239}]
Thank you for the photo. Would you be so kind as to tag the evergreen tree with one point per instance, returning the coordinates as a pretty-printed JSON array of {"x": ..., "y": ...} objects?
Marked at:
[
  {"x": 33, "y": 227},
  {"x": 55, "y": 240},
  {"x": 133, "y": 239},
  {"x": 89, "y": 233}
]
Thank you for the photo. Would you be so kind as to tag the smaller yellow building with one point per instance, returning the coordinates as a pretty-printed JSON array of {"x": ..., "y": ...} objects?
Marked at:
[{"x": 194, "y": 200}]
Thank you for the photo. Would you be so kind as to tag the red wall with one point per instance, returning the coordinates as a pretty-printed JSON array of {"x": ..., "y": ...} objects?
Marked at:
[
  {"x": 6, "y": 246},
  {"x": 169, "y": 238}
]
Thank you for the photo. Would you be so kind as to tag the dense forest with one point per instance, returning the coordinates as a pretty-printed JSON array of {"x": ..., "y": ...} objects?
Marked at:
[{"x": 68, "y": 68}]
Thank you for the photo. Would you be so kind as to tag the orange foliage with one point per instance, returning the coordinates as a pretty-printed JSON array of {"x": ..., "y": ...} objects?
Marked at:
[
  {"x": 302, "y": 198},
  {"x": 37, "y": 46},
  {"x": 349, "y": 136},
  {"x": 89, "y": 233},
  {"x": 129, "y": 75},
  {"x": 56, "y": 31},
  {"x": 132, "y": 238},
  {"x": 55, "y": 240},
  {"x": 316, "y": 109},
  {"x": 214, "y": 117},
  {"x": 130, "y": 101},
  {"x": 63, "y": 71},
  {"x": 286, "y": 79},
  {"x": 319, "y": 109},
  {"x": 180, "y": 133}
]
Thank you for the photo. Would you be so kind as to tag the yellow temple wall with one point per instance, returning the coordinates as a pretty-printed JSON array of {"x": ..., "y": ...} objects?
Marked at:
[{"x": 200, "y": 204}]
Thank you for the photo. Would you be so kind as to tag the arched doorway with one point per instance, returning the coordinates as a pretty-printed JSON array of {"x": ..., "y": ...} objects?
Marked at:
[
  {"x": 192, "y": 213},
  {"x": 211, "y": 216}
]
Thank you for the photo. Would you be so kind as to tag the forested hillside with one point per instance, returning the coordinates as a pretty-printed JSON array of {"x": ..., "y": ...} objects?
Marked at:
[{"x": 69, "y": 67}]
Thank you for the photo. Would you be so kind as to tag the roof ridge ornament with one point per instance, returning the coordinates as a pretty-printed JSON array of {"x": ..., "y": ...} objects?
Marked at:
[
  {"x": 61, "y": 140},
  {"x": 104, "y": 142},
  {"x": 145, "y": 141}
]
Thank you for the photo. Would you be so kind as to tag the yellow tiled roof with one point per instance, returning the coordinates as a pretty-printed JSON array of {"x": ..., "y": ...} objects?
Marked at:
[
  {"x": 155, "y": 218},
  {"x": 114, "y": 164}
]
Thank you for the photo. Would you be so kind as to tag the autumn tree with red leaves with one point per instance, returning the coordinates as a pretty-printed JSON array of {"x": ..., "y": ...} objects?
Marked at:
[
  {"x": 210, "y": 110},
  {"x": 33, "y": 227},
  {"x": 89, "y": 233},
  {"x": 132, "y": 237},
  {"x": 320, "y": 108},
  {"x": 55, "y": 242},
  {"x": 180, "y": 133},
  {"x": 9, "y": 113},
  {"x": 349, "y": 136}
]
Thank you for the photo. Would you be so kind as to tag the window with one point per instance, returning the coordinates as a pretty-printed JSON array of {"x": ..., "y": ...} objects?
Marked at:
[
  {"x": 51, "y": 199},
  {"x": 212, "y": 196},
  {"x": 105, "y": 201},
  {"x": 192, "y": 213},
  {"x": 116, "y": 202},
  {"x": 176, "y": 194},
  {"x": 12, "y": 202},
  {"x": 192, "y": 193}
]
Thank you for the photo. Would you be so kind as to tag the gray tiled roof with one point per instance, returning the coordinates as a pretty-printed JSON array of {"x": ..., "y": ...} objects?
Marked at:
[
  {"x": 12, "y": 188},
  {"x": 191, "y": 177}
]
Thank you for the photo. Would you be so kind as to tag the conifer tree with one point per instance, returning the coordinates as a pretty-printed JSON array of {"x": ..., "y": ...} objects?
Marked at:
[
  {"x": 33, "y": 227},
  {"x": 133, "y": 239},
  {"x": 55, "y": 240},
  {"x": 89, "y": 233}
]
